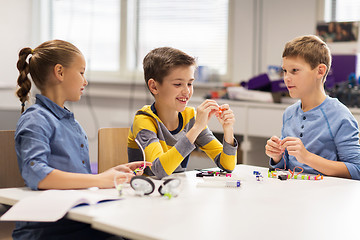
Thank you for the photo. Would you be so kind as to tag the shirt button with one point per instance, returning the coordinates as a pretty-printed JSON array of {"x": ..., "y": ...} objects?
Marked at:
[
  {"x": 302, "y": 126},
  {"x": 85, "y": 137},
  {"x": 82, "y": 145},
  {"x": 301, "y": 134},
  {"x": 304, "y": 118},
  {"x": 83, "y": 161},
  {"x": 32, "y": 163}
]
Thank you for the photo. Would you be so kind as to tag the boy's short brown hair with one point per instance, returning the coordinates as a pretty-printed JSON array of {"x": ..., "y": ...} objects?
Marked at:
[
  {"x": 312, "y": 49},
  {"x": 160, "y": 61}
]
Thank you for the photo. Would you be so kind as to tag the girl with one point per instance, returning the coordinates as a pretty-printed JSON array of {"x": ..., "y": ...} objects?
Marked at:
[{"x": 51, "y": 146}]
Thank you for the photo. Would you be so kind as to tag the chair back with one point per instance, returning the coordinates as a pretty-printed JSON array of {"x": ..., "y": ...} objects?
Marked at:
[
  {"x": 9, "y": 170},
  {"x": 112, "y": 147}
]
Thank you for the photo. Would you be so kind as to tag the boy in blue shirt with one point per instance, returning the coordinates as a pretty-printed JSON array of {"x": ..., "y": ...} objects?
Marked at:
[{"x": 319, "y": 133}]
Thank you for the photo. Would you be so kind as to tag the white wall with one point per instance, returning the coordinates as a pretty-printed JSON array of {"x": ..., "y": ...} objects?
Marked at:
[
  {"x": 283, "y": 21},
  {"x": 278, "y": 21},
  {"x": 15, "y": 32},
  {"x": 15, "y": 27}
]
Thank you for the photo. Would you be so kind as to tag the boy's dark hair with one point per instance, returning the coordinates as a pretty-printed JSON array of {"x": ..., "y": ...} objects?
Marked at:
[
  {"x": 160, "y": 61},
  {"x": 312, "y": 49},
  {"x": 40, "y": 63}
]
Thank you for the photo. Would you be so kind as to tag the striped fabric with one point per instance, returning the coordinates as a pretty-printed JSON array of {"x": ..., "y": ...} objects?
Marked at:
[{"x": 169, "y": 150}]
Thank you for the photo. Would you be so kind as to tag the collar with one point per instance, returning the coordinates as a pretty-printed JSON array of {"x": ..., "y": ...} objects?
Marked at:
[
  {"x": 153, "y": 109},
  {"x": 58, "y": 111}
]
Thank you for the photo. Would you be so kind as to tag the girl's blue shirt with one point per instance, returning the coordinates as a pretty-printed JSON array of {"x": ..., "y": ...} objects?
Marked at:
[
  {"x": 328, "y": 130},
  {"x": 48, "y": 137}
]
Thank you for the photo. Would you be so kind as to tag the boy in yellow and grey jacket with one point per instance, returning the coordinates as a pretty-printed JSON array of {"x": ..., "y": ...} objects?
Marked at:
[{"x": 168, "y": 130}]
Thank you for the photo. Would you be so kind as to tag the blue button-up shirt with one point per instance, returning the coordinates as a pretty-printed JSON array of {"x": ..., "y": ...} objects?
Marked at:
[
  {"x": 328, "y": 130},
  {"x": 48, "y": 137}
]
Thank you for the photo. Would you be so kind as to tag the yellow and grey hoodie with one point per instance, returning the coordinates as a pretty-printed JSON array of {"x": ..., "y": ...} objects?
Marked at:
[{"x": 169, "y": 150}]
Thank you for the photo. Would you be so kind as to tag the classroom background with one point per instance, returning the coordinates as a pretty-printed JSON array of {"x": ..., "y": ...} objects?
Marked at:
[{"x": 238, "y": 44}]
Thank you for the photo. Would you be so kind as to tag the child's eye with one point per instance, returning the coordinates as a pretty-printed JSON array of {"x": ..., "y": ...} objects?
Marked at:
[
  {"x": 294, "y": 70},
  {"x": 283, "y": 70},
  {"x": 189, "y": 84},
  {"x": 177, "y": 84},
  {"x": 82, "y": 73}
]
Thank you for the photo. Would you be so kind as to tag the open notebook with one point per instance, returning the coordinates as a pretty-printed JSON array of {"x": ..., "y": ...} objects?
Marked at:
[{"x": 52, "y": 205}]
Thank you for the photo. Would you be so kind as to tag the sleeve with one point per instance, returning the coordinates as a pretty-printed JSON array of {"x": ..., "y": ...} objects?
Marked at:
[
  {"x": 348, "y": 147},
  {"x": 164, "y": 159},
  {"x": 32, "y": 147},
  {"x": 224, "y": 155}
]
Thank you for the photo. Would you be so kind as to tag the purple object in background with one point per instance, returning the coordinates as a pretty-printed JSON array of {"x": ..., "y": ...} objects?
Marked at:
[
  {"x": 258, "y": 82},
  {"x": 94, "y": 168},
  {"x": 278, "y": 86},
  {"x": 342, "y": 66}
]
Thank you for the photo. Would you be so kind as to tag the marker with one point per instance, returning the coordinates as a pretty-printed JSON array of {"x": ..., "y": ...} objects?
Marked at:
[{"x": 214, "y": 184}]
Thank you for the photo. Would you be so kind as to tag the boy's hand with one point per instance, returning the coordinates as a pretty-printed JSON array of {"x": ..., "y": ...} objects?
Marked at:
[
  {"x": 204, "y": 112},
  {"x": 295, "y": 148},
  {"x": 274, "y": 148},
  {"x": 225, "y": 116}
]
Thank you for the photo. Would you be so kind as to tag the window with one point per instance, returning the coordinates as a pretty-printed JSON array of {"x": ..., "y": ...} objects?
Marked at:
[
  {"x": 115, "y": 35},
  {"x": 92, "y": 26},
  {"x": 342, "y": 10}
]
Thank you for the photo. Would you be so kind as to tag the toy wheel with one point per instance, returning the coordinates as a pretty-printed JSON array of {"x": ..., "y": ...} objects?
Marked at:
[{"x": 142, "y": 184}]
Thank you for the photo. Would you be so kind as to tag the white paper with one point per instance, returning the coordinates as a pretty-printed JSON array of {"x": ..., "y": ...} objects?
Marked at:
[{"x": 52, "y": 205}]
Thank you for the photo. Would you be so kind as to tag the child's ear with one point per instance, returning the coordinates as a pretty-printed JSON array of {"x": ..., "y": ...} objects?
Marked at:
[
  {"x": 152, "y": 86},
  {"x": 59, "y": 72},
  {"x": 322, "y": 69}
]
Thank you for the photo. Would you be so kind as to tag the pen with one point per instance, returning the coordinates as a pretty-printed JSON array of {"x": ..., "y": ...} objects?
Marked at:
[{"x": 227, "y": 184}]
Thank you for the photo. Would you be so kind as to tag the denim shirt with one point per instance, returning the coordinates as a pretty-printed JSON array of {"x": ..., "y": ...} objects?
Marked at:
[
  {"x": 48, "y": 137},
  {"x": 328, "y": 130}
]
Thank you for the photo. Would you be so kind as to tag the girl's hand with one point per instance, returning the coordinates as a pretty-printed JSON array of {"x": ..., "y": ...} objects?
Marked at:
[
  {"x": 131, "y": 167},
  {"x": 122, "y": 173},
  {"x": 274, "y": 148},
  {"x": 295, "y": 148}
]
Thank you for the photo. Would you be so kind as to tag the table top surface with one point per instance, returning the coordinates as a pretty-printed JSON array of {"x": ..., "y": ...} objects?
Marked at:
[{"x": 271, "y": 209}]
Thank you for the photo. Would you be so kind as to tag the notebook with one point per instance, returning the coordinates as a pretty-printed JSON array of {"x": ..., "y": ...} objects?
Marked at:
[{"x": 52, "y": 205}]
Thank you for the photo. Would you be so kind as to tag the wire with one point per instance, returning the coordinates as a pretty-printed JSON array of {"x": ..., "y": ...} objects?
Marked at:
[{"x": 292, "y": 172}]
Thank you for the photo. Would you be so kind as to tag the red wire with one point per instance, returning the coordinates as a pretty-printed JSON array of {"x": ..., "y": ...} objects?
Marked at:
[{"x": 291, "y": 172}]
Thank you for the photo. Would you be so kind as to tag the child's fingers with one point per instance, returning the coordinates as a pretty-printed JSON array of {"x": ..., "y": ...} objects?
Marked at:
[
  {"x": 276, "y": 139},
  {"x": 273, "y": 149},
  {"x": 209, "y": 106},
  {"x": 224, "y": 108},
  {"x": 289, "y": 142},
  {"x": 288, "y": 139},
  {"x": 122, "y": 168},
  {"x": 138, "y": 164},
  {"x": 274, "y": 142},
  {"x": 272, "y": 152},
  {"x": 209, "y": 103}
]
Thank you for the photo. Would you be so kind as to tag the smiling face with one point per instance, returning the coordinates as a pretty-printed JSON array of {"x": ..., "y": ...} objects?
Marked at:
[
  {"x": 74, "y": 79},
  {"x": 176, "y": 89},
  {"x": 299, "y": 78}
]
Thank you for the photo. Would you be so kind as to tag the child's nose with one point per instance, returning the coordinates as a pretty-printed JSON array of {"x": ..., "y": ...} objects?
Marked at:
[
  {"x": 286, "y": 77},
  {"x": 186, "y": 90}
]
